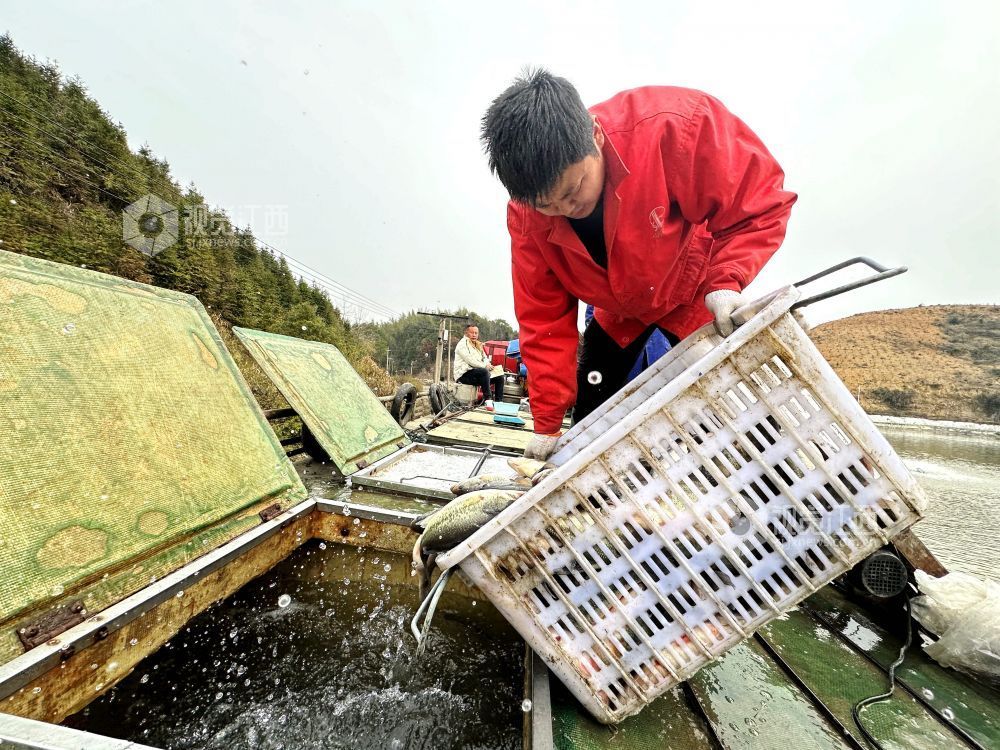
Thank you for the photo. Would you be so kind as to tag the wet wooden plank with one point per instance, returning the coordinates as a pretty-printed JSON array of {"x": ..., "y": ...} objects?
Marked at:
[
  {"x": 465, "y": 433},
  {"x": 668, "y": 722},
  {"x": 972, "y": 705},
  {"x": 752, "y": 704},
  {"x": 840, "y": 677}
]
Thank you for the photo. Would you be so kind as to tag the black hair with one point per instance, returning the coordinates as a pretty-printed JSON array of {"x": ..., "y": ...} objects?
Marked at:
[{"x": 533, "y": 131}]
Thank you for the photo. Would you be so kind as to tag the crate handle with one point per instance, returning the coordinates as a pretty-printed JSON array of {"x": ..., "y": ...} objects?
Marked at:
[{"x": 883, "y": 273}]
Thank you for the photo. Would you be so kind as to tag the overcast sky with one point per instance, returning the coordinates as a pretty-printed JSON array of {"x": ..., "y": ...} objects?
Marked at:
[{"x": 360, "y": 120}]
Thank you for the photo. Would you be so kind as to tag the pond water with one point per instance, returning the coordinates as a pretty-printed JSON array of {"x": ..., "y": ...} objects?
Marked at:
[
  {"x": 317, "y": 653},
  {"x": 961, "y": 475}
]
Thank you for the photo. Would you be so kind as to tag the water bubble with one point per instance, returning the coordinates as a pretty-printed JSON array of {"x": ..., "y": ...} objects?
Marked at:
[
  {"x": 357, "y": 521},
  {"x": 218, "y": 696},
  {"x": 305, "y": 328},
  {"x": 36, "y": 690},
  {"x": 322, "y": 545},
  {"x": 98, "y": 686},
  {"x": 948, "y": 714},
  {"x": 594, "y": 377},
  {"x": 180, "y": 593},
  {"x": 526, "y": 705},
  {"x": 69, "y": 329},
  {"x": 387, "y": 567},
  {"x": 347, "y": 509},
  {"x": 347, "y": 581},
  {"x": 284, "y": 600},
  {"x": 144, "y": 679},
  {"x": 928, "y": 694},
  {"x": 133, "y": 642}
]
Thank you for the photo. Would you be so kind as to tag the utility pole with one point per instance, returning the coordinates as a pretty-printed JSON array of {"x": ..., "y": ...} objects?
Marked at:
[
  {"x": 442, "y": 341},
  {"x": 447, "y": 339},
  {"x": 387, "y": 359}
]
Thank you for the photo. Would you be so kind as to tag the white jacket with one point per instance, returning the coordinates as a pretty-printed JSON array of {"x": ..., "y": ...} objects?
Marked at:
[{"x": 466, "y": 357}]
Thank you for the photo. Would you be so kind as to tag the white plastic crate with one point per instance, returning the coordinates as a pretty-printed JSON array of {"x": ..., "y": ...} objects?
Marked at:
[{"x": 720, "y": 488}]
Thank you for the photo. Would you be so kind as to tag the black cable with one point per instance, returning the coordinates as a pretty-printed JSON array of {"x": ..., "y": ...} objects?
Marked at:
[{"x": 856, "y": 710}]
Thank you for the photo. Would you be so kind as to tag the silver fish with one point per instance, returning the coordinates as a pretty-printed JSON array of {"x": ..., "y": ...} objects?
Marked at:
[
  {"x": 489, "y": 482},
  {"x": 464, "y": 515}
]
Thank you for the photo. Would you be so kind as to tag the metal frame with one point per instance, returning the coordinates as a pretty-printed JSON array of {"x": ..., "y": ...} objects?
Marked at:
[
  {"x": 19, "y": 672},
  {"x": 363, "y": 478},
  {"x": 536, "y": 683},
  {"x": 29, "y": 734}
]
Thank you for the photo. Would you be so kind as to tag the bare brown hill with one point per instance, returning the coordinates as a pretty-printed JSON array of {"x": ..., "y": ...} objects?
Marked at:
[{"x": 937, "y": 362}]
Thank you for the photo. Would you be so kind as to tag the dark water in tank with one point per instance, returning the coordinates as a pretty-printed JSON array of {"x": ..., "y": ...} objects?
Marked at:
[{"x": 330, "y": 666}]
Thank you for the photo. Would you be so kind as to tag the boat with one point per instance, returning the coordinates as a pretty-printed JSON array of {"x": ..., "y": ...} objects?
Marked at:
[{"x": 142, "y": 484}]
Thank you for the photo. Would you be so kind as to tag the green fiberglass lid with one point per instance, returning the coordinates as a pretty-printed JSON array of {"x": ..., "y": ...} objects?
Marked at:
[
  {"x": 126, "y": 428},
  {"x": 334, "y": 402}
]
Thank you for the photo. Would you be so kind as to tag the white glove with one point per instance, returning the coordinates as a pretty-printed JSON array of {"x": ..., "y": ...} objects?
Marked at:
[
  {"x": 721, "y": 303},
  {"x": 541, "y": 447}
]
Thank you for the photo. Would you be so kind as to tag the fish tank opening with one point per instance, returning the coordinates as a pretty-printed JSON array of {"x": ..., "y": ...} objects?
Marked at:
[{"x": 317, "y": 653}]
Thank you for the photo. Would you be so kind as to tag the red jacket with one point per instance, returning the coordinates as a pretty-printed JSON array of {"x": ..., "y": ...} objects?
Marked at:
[{"x": 693, "y": 202}]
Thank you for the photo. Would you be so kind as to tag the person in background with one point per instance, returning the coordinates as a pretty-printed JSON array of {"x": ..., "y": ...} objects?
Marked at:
[
  {"x": 472, "y": 367},
  {"x": 657, "y": 206}
]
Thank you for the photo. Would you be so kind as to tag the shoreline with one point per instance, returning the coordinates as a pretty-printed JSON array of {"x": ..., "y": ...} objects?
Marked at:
[{"x": 977, "y": 428}]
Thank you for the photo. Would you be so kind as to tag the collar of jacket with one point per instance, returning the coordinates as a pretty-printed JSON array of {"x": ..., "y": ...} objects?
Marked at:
[{"x": 615, "y": 171}]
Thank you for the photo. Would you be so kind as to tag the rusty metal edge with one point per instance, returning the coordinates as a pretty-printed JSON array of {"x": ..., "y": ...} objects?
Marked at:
[{"x": 20, "y": 671}]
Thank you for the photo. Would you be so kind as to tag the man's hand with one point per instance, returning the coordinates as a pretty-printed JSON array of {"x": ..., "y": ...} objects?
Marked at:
[
  {"x": 541, "y": 446},
  {"x": 721, "y": 303}
]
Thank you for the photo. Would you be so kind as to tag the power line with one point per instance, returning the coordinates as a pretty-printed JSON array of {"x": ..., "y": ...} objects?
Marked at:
[{"x": 337, "y": 288}]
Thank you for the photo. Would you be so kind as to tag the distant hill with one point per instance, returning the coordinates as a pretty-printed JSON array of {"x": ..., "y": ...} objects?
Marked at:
[{"x": 937, "y": 362}]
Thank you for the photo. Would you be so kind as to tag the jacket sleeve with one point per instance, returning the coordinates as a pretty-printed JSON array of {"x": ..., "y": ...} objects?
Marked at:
[
  {"x": 462, "y": 351},
  {"x": 723, "y": 176},
  {"x": 546, "y": 319}
]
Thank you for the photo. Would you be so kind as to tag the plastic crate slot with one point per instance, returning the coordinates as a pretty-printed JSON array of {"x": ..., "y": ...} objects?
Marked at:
[
  {"x": 757, "y": 380},
  {"x": 649, "y": 629},
  {"x": 787, "y": 414},
  {"x": 826, "y": 445},
  {"x": 782, "y": 367},
  {"x": 841, "y": 435},
  {"x": 745, "y": 392},
  {"x": 797, "y": 406},
  {"x": 664, "y": 613},
  {"x": 530, "y": 603},
  {"x": 813, "y": 404},
  {"x": 639, "y": 538}
]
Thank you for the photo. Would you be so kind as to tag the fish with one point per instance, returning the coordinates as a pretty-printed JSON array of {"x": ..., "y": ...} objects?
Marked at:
[
  {"x": 456, "y": 521},
  {"x": 452, "y": 524},
  {"x": 527, "y": 467},
  {"x": 490, "y": 482}
]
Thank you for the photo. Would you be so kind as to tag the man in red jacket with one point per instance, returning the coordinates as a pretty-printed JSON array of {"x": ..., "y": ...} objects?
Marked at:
[{"x": 657, "y": 206}]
